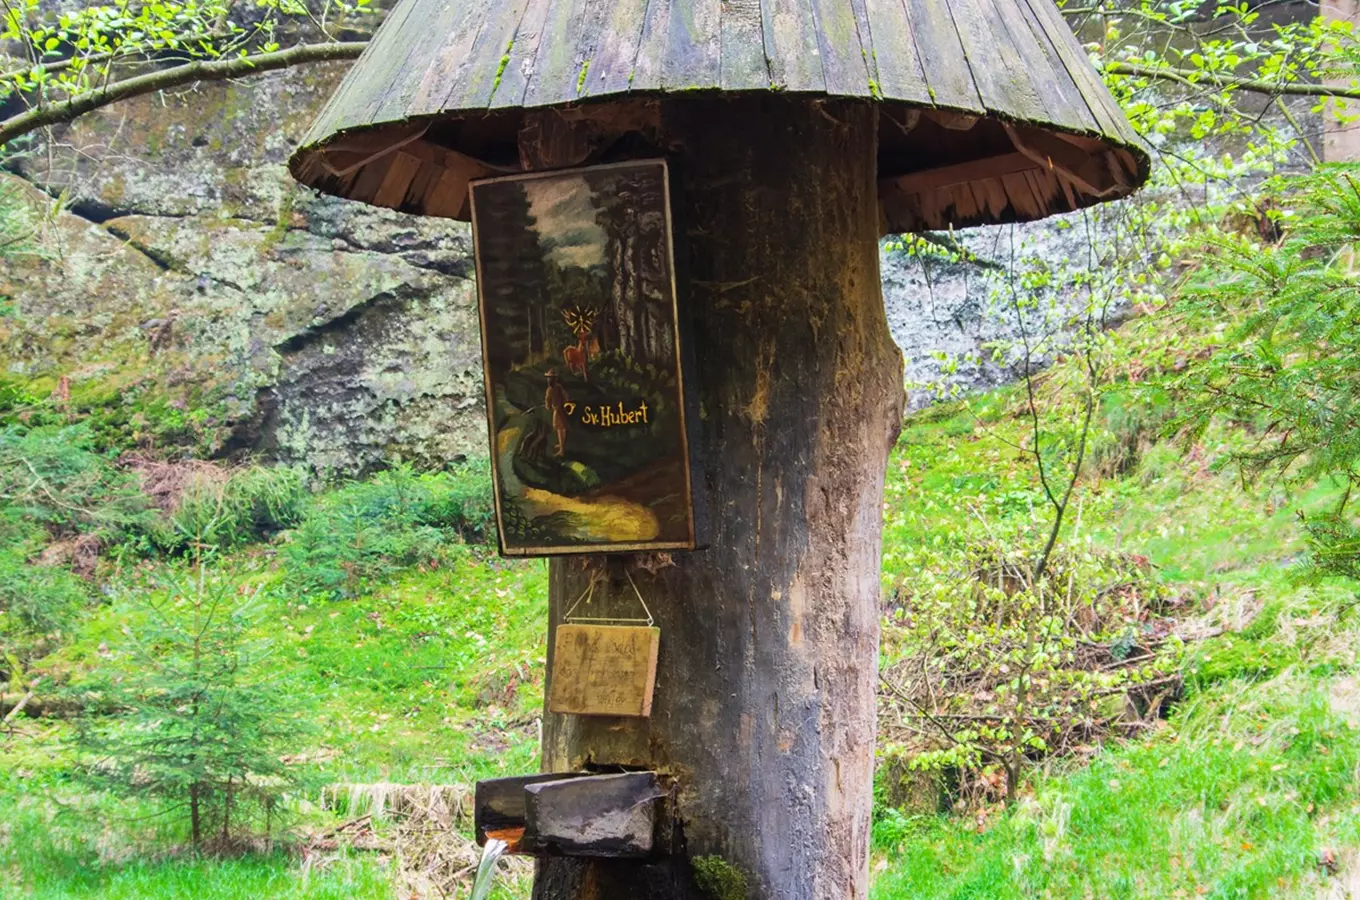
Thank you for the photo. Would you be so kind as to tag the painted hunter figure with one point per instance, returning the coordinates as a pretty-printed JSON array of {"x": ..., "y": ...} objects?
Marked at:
[
  {"x": 556, "y": 401},
  {"x": 578, "y": 308}
]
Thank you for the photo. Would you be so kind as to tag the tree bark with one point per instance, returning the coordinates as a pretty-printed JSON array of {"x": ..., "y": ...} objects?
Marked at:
[
  {"x": 764, "y": 707},
  {"x": 195, "y": 818}
]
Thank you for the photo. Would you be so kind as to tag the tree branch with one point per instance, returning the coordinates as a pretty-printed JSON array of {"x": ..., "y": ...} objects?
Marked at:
[
  {"x": 18, "y": 708},
  {"x": 163, "y": 79},
  {"x": 302, "y": 54},
  {"x": 1198, "y": 78}
]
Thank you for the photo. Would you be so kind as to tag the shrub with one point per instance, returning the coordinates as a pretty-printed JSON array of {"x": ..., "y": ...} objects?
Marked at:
[
  {"x": 36, "y": 599},
  {"x": 341, "y": 547},
  {"x": 1286, "y": 362},
  {"x": 718, "y": 878},
  {"x": 15, "y": 398},
  {"x": 354, "y": 535},
  {"x": 990, "y": 667},
  {"x": 243, "y": 506},
  {"x": 53, "y": 476},
  {"x": 36, "y": 602},
  {"x": 1131, "y": 421},
  {"x": 459, "y": 499}
]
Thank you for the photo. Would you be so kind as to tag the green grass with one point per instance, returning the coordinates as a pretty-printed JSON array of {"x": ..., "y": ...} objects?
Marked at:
[
  {"x": 433, "y": 673},
  {"x": 423, "y": 661},
  {"x": 1237, "y": 797},
  {"x": 435, "y": 677},
  {"x": 1251, "y": 781},
  {"x": 276, "y": 876},
  {"x": 58, "y": 842}
]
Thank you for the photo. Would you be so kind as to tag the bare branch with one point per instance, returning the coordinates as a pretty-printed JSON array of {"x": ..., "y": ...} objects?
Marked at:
[
  {"x": 1198, "y": 78},
  {"x": 149, "y": 83}
]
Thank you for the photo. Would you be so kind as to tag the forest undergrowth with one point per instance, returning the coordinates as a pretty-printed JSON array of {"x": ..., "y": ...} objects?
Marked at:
[
  {"x": 1235, "y": 776},
  {"x": 1193, "y": 735}
]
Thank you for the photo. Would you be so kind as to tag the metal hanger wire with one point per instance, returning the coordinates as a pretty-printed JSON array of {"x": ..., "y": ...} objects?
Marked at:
[{"x": 589, "y": 592}]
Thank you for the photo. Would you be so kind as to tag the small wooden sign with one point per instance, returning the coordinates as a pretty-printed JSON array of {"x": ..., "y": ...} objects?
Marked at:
[{"x": 604, "y": 670}]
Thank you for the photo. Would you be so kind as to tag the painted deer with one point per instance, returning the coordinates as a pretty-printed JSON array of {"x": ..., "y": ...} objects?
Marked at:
[{"x": 580, "y": 321}]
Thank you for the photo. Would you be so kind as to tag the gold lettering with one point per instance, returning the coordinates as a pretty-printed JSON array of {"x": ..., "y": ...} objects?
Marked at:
[{"x": 606, "y": 416}]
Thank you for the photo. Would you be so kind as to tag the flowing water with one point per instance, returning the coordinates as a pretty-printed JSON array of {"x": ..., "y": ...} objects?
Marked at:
[{"x": 486, "y": 869}]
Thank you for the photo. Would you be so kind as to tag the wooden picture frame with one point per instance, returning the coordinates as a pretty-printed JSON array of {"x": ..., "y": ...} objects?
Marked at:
[{"x": 583, "y": 350}]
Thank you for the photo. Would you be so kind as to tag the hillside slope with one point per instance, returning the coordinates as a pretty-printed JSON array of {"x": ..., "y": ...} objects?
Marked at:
[{"x": 417, "y": 655}]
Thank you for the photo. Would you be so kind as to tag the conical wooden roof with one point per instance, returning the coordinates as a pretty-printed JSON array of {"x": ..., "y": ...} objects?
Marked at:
[{"x": 991, "y": 111}]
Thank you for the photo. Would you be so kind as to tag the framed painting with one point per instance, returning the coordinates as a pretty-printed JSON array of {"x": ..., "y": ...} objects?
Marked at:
[{"x": 582, "y": 350}]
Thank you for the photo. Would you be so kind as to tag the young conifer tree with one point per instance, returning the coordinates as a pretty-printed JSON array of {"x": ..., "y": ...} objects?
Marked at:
[{"x": 202, "y": 720}]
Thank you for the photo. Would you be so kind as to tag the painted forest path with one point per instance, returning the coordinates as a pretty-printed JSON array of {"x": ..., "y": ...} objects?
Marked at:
[{"x": 604, "y": 518}]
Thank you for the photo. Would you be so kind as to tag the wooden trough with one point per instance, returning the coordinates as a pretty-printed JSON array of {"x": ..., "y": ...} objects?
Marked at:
[{"x": 572, "y": 814}]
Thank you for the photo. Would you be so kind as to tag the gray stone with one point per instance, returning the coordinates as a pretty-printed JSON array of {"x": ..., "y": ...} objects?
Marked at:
[
  {"x": 955, "y": 321},
  {"x": 334, "y": 334}
]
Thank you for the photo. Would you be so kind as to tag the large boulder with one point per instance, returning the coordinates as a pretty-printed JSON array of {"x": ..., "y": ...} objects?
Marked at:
[{"x": 310, "y": 329}]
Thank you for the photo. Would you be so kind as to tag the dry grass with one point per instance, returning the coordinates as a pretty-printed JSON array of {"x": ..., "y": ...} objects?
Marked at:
[
  {"x": 422, "y": 828},
  {"x": 167, "y": 482}
]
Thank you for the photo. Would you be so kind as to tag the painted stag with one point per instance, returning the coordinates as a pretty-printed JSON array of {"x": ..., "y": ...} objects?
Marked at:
[{"x": 581, "y": 322}]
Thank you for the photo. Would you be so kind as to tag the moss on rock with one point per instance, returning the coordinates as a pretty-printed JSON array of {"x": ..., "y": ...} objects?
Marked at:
[{"x": 719, "y": 878}]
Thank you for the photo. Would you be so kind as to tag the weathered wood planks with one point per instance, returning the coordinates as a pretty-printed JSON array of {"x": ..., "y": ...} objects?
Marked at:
[
  {"x": 604, "y": 670},
  {"x": 571, "y": 813},
  {"x": 468, "y": 69}
]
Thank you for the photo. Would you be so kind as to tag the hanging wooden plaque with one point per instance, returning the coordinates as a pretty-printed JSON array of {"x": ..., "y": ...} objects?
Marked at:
[
  {"x": 604, "y": 670},
  {"x": 581, "y": 350}
]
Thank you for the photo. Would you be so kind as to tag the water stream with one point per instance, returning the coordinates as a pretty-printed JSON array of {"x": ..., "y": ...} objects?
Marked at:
[{"x": 486, "y": 869}]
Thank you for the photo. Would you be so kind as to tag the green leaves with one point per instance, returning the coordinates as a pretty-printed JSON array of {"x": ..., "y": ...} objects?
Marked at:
[
  {"x": 54, "y": 476},
  {"x": 1287, "y": 362},
  {"x": 85, "y": 49},
  {"x": 355, "y": 535},
  {"x": 987, "y": 667}
]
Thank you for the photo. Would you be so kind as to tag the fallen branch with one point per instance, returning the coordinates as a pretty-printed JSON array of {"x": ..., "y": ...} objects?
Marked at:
[
  {"x": 355, "y": 834},
  {"x": 18, "y": 708},
  {"x": 35, "y": 706}
]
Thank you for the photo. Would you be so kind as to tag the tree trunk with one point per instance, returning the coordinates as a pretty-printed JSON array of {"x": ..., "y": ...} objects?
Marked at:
[
  {"x": 226, "y": 815},
  {"x": 764, "y": 706}
]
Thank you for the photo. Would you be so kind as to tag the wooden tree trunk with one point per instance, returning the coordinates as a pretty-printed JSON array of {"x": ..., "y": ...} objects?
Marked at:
[{"x": 764, "y": 705}]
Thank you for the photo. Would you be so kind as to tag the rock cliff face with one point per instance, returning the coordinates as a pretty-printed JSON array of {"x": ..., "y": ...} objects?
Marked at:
[
  {"x": 310, "y": 329},
  {"x": 313, "y": 329},
  {"x": 954, "y": 321}
]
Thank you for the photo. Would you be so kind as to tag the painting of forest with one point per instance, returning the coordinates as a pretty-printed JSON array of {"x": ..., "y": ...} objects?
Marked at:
[{"x": 582, "y": 360}]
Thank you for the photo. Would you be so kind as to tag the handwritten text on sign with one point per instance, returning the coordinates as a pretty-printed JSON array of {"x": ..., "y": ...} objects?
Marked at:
[
  {"x": 604, "y": 670},
  {"x": 610, "y": 416}
]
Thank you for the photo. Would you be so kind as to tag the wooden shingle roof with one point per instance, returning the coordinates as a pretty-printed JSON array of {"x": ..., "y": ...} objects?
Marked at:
[{"x": 990, "y": 109}]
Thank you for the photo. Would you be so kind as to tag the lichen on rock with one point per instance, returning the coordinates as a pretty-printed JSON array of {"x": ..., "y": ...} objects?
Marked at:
[{"x": 331, "y": 333}]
